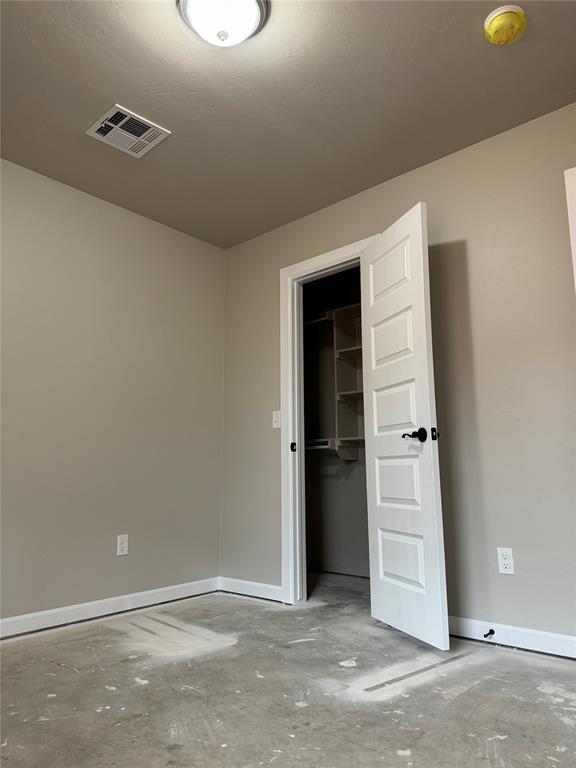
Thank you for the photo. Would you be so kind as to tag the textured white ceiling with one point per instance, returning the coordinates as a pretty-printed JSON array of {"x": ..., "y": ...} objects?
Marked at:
[{"x": 331, "y": 98}]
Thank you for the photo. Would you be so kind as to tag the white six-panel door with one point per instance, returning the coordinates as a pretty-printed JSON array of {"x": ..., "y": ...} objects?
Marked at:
[{"x": 407, "y": 574}]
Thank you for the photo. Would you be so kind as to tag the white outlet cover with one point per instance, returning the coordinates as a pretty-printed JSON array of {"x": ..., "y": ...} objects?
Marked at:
[
  {"x": 275, "y": 419},
  {"x": 505, "y": 560},
  {"x": 122, "y": 544}
]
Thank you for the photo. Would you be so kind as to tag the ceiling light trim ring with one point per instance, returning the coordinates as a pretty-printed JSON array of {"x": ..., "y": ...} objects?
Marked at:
[{"x": 264, "y": 6}]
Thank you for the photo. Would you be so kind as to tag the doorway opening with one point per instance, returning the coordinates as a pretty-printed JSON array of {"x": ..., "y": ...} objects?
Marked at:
[{"x": 336, "y": 514}]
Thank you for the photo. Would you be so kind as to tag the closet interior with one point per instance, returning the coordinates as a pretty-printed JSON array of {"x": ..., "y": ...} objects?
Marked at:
[{"x": 335, "y": 481}]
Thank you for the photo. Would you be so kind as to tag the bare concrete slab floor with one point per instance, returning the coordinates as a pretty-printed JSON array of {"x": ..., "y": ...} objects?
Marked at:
[{"x": 226, "y": 682}]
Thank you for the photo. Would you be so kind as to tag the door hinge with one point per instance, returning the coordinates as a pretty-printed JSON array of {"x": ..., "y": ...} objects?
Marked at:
[{"x": 293, "y": 447}]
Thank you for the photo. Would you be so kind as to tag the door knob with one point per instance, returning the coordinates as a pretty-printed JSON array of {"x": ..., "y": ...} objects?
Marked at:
[{"x": 421, "y": 434}]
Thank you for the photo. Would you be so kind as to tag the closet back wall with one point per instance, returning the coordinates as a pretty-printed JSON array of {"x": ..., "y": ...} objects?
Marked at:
[{"x": 112, "y": 398}]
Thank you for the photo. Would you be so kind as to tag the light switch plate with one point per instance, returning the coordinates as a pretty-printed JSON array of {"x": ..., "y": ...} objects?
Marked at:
[
  {"x": 122, "y": 544},
  {"x": 275, "y": 419}
]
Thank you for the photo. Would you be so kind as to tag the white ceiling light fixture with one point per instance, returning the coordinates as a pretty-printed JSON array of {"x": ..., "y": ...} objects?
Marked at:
[{"x": 225, "y": 22}]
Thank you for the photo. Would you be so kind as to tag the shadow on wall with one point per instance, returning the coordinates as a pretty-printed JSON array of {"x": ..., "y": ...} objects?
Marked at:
[{"x": 460, "y": 459}]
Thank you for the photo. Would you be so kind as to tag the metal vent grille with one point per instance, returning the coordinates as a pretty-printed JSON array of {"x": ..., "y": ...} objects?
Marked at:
[{"x": 127, "y": 131}]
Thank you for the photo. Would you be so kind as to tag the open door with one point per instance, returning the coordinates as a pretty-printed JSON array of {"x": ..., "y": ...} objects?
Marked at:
[{"x": 407, "y": 573}]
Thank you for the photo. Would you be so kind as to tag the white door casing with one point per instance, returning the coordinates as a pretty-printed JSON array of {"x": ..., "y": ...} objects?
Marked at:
[
  {"x": 407, "y": 571},
  {"x": 570, "y": 180},
  {"x": 292, "y": 401}
]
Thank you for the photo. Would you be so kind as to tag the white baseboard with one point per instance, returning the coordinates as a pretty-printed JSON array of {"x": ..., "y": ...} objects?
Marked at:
[
  {"x": 474, "y": 629},
  {"x": 55, "y": 617},
  {"x": 517, "y": 637},
  {"x": 252, "y": 589},
  {"x": 30, "y": 622}
]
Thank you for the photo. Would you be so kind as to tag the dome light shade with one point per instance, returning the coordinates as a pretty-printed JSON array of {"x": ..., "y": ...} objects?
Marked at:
[
  {"x": 224, "y": 22},
  {"x": 505, "y": 25}
]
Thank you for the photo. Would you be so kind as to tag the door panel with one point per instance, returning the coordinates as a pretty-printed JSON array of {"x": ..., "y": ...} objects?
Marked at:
[{"x": 408, "y": 582}]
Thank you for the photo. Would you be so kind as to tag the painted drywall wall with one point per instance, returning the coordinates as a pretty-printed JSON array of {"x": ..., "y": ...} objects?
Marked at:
[
  {"x": 504, "y": 326},
  {"x": 112, "y": 394},
  {"x": 336, "y": 514}
]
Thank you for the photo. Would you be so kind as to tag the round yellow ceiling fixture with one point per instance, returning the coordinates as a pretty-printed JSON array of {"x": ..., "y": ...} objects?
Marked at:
[{"x": 505, "y": 25}]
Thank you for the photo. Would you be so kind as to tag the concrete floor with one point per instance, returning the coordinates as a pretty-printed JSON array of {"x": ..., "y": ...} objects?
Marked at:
[{"x": 227, "y": 682}]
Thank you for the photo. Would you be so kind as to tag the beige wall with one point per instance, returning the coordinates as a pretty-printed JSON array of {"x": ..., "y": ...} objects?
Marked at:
[
  {"x": 113, "y": 331},
  {"x": 504, "y": 345},
  {"x": 112, "y": 394}
]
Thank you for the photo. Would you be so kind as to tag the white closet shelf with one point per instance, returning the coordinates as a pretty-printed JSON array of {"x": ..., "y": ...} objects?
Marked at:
[
  {"x": 343, "y": 413},
  {"x": 345, "y": 447},
  {"x": 319, "y": 444},
  {"x": 319, "y": 320},
  {"x": 350, "y": 352},
  {"x": 357, "y": 305}
]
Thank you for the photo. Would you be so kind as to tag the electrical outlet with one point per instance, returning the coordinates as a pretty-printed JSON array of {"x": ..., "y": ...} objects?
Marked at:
[
  {"x": 122, "y": 544},
  {"x": 275, "y": 419},
  {"x": 505, "y": 560}
]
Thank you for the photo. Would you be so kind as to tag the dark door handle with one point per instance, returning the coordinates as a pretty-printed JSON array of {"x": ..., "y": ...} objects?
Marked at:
[{"x": 421, "y": 434}]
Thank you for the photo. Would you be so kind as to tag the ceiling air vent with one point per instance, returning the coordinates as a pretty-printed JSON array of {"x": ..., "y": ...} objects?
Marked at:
[{"x": 127, "y": 131}]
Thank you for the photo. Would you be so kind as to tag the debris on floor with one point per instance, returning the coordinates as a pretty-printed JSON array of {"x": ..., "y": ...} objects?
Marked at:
[{"x": 225, "y": 682}]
